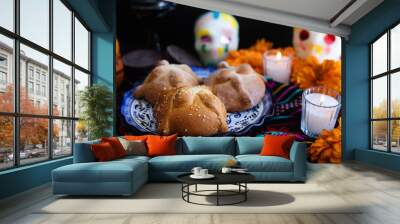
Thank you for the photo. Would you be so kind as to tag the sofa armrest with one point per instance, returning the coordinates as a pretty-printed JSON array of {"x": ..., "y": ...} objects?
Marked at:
[
  {"x": 83, "y": 152},
  {"x": 298, "y": 157}
]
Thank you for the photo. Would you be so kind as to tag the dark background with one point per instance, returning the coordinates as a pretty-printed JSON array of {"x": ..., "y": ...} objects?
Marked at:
[
  {"x": 174, "y": 27},
  {"x": 177, "y": 27}
]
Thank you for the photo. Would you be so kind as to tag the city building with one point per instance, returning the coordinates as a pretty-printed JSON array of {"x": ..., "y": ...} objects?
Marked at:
[{"x": 34, "y": 80}]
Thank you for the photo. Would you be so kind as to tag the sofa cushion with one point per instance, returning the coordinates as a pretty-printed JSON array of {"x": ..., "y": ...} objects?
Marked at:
[
  {"x": 161, "y": 145},
  {"x": 277, "y": 145},
  {"x": 257, "y": 163},
  {"x": 116, "y": 145},
  {"x": 208, "y": 145},
  {"x": 249, "y": 145},
  {"x": 185, "y": 163},
  {"x": 83, "y": 152},
  {"x": 112, "y": 171},
  {"x": 103, "y": 152},
  {"x": 134, "y": 147}
]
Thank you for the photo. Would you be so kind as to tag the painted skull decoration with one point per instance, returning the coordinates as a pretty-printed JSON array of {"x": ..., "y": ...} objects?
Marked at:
[
  {"x": 216, "y": 34},
  {"x": 322, "y": 46}
]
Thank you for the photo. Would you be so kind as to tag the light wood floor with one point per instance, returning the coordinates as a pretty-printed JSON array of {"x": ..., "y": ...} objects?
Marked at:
[{"x": 378, "y": 188}]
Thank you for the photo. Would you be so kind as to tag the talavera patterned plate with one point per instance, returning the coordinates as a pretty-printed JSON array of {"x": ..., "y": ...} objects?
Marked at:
[{"x": 139, "y": 114}]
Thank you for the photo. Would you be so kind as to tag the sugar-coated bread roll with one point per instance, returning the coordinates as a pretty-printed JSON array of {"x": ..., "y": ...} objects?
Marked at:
[
  {"x": 190, "y": 111},
  {"x": 239, "y": 88},
  {"x": 165, "y": 77}
]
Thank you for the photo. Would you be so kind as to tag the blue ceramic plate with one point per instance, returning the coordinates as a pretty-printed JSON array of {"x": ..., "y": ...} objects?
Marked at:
[{"x": 139, "y": 114}]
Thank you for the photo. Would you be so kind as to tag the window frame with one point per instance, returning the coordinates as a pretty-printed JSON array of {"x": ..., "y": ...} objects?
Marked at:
[
  {"x": 16, "y": 114},
  {"x": 388, "y": 74}
]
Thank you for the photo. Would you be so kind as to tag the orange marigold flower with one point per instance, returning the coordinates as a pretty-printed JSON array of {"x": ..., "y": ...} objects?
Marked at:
[
  {"x": 309, "y": 72},
  {"x": 252, "y": 56},
  {"x": 327, "y": 147}
]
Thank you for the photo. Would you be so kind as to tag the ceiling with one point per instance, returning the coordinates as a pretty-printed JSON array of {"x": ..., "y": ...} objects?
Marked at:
[{"x": 328, "y": 16}]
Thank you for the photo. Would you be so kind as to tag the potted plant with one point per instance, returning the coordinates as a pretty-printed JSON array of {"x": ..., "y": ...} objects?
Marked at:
[{"x": 96, "y": 104}]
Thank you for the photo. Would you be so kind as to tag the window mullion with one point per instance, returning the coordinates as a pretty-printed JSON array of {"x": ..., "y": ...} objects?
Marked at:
[
  {"x": 73, "y": 83},
  {"x": 16, "y": 70},
  {"x": 389, "y": 104},
  {"x": 50, "y": 80}
]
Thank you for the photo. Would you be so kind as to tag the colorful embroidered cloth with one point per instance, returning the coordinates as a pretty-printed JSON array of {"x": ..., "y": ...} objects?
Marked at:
[{"x": 287, "y": 111}]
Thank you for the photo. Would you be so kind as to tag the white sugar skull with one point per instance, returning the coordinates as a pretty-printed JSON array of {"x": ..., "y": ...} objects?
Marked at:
[
  {"x": 216, "y": 34},
  {"x": 322, "y": 46}
]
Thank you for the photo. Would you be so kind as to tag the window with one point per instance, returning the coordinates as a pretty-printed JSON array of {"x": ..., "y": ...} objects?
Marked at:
[
  {"x": 38, "y": 73},
  {"x": 3, "y": 61},
  {"x": 3, "y": 78},
  {"x": 6, "y": 69},
  {"x": 34, "y": 22},
  {"x": 30, "y": 72},
  {"x": 62, "y": 74},
  {"x": 48, "y": 78},
  {"x": 3, "y": 72},
  {"x": 81, "y": 45},
  {"x": 44, "y": 91},
  {"x": 7, "y": 14},
  {"x": 30, "y": 87},
  {"x": 37, "y": 89},
  {"x": 385, "y": 94}
]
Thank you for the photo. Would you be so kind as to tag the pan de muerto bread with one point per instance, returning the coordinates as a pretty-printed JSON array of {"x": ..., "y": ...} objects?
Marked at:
[
  {"x": 165, "y": 77},
  {"x": 239, "y": 88},
  {"x": 190, "y": 111}
]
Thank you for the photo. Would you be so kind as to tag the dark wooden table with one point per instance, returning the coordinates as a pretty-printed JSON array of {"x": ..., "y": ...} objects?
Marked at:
[{"x": 238, "y": 179}]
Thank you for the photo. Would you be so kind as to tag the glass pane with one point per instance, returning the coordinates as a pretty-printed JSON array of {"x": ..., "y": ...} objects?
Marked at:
[
  {"x": 379, "y": 55},
  {"x": 35, "y": 21},
  {"x": 81, "y": 81},
  {"x": 34, "y": 72},
  {"x": 379, "y": 97},
  {"x": 6, "y": 142},
  {"x": 395, "y": 47},
  {"x": 33, "y": 139},
  {"x": 81, "y": 45},
  {"x": 395, "y": 94},
  {"x": 62, "y": 89},
  {"x": 62, "y": 29},
  {"x": 6, "y": 74},
  {"x": 81, "y": 131},
  {"x": 395, "y": 135},
  {"x": 7, "y": 14},
  {"x": 379, "y": 135},
  {"x": 62, "y": 138}
]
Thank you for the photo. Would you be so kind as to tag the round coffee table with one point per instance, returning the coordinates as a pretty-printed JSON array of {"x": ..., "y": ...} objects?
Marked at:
[{"x": 238, "y": 179}]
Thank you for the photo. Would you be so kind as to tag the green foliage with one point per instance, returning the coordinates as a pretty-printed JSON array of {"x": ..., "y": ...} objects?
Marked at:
[{"x": 96, "y": 104}]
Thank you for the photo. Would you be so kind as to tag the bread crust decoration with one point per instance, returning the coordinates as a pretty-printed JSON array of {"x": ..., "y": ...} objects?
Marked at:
[
  {"x": 190, "y": 111},
  {"x": 239, "y": 88},
  {"x": 164, "y": 77}
]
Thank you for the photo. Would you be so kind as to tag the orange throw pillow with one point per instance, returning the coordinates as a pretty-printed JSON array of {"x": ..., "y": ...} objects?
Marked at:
[
  {"x": 136, "y": 137},
  {"x": 116, "y": 145},
  {"x": 103, "y": 152},
  {"x": 277, "y": 145},
  {"x": 161, "y": 145}
]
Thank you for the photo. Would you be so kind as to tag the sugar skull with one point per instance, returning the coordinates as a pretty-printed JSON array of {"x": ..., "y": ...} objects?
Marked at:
[
  {"x": 322, "y": 46},
  {"x": 216, "y": 34}
]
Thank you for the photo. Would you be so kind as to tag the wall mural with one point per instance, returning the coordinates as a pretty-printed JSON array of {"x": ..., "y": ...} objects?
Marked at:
[{"x": 217, "y": 87}]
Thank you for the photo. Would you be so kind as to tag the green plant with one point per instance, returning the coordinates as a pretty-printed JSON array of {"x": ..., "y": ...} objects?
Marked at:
[{"x": 96, "y": 104}]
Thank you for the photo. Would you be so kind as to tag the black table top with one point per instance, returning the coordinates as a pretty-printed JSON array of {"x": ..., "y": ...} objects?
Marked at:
[{"x": 220, "y": 178}]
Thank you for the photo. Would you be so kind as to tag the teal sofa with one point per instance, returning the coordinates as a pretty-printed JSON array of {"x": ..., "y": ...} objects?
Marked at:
[{"x": 125, "y": 176}]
